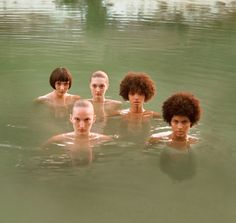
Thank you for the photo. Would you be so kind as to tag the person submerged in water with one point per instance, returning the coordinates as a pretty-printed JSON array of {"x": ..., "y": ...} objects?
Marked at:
[
  {"x": 99, "y": 84},
  {"x": 82, "y": 119},
  {"x": 181, "y": 111},
  {"x": 138, "y": 88},
  {"x": 103, "y": 107},
  {"x": 59, "y": 99}
]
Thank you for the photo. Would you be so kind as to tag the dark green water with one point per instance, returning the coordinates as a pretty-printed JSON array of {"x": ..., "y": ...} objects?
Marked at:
[{"x": 182, "y": 45}]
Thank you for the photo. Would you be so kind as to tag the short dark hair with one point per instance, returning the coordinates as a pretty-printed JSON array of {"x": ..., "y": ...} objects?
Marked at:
[
  {"x": 183, "y": 104},
  {"x": 60, "y": 74},
  {"x": 137, "y": 82}
]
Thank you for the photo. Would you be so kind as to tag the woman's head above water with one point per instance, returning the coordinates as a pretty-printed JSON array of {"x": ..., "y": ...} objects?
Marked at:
[
  {"x": 60, "y": 74},
  {"x": 182, "y": 104},
  {"x": 137, "y": 82}
]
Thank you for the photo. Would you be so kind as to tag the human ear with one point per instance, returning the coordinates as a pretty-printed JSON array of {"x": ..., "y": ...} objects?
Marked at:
[
  {"x": 71, "y": 118},
  {"x": 94, "y": 118}
]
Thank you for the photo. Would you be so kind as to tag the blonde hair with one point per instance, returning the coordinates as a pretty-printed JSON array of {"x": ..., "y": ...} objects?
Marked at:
[
  {"x": 100, "y": 73},
  {"x": 82, "y": 104}
]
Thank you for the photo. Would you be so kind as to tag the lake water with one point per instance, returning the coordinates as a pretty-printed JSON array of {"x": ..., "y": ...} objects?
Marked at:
[{"x": 183, "y": 45}]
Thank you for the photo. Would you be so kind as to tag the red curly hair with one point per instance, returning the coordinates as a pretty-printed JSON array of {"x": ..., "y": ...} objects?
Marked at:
[
  {"x": 183, "y": 104},
  {"x": 137, "y": 82}
]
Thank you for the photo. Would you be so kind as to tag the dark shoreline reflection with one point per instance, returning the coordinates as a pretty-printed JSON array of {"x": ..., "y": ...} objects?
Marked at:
[
  {"x": 97, "y": 16},
  {"x": 99, "y": 12}
]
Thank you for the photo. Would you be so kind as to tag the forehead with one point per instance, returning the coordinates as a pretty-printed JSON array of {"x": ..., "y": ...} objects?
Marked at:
[
  {"x": 98, "y": 80},
  {"x": 136, "y": 93},
  {"x": 83, "y": 112},
  {"x": 180, "y": 118},
  {"x": 62, "y": 82},
  {"x": 136, "y": 90}
]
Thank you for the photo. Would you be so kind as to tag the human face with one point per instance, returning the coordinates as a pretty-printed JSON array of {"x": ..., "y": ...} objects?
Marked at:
[
  {"x": 180, "y": 126},
  {"x": 136, "y": 99},
  {"x": 61, "y": 87},
  {"x": 82, "y": 120},
  {"x": 98, "y": 87}
]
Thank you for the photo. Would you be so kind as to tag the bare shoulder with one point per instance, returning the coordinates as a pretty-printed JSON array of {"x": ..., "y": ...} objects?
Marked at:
[
  {"x": 101, "y": 137},
  {"x": 71, "y": 99},
  {"x": 113, "y": 103},
  {"x": 151, "y": 114},
  {"x": 74, "y": 97},
  {"x": 193, "y": 140},
  {"x": 112, "y": 107},
  {"x": 159, "y": 137},
  {"x": 41, "y": 99},
  {"x": 56, "y": 139},
  {"x": 156, "y": 114},
  {"x": 44, "y": 99},
  {"x": 124, "y": 112}
]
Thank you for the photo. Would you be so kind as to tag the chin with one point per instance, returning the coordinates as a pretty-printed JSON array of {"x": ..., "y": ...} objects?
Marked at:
[{"x": 181, "y": 137}]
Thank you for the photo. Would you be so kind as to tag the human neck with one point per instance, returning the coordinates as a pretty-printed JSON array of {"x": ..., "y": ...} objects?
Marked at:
[
  {"x": 58, "y": 96},
  {"x": 58, "y": 99},
  {"x": 136, "y": 109},
  {"x": 82, "y": 136},
  {"x": 98, "y": 99},
  {"x": 179, "y": 139}
]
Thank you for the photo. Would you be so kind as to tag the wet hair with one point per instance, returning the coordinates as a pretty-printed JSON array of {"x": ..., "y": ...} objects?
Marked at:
[
  {"x": 60, "y": 74},
  {"x": 137, "y": 82},
  {"x": 183, "y": 104},
  {"x": 82, "y": 103},
  {"x": 101, "y": 74}
]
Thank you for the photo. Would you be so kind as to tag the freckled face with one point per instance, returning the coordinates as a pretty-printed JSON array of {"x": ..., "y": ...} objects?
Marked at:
[
  {"x": 180, "y": 126},
  {"x": 82, "y": 120},
  {"x": 98, "y": 87},
  {"x": 61, "y": 87}
]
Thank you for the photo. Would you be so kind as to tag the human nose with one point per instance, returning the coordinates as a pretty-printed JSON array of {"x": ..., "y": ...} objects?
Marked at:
[
  {"x": 97, "y": 88},
  {"x": 81, "y": 124},
  {"x": 179, "y": 125},
  {"x": 62, "y": 87}
]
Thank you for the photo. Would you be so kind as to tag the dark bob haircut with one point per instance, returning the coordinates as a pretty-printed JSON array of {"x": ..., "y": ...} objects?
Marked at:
[
  {"x": 60, "y": 74},
  {"x": 182, "y": 104},
  {"x": 137, "y": 82}
]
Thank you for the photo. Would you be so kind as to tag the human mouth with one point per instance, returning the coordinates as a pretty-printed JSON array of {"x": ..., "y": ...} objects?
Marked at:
[{"x": 81, "y": 130}]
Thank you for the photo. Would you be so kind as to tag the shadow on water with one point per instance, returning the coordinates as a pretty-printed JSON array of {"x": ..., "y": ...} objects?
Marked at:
[{"x": 178, "y": 165}]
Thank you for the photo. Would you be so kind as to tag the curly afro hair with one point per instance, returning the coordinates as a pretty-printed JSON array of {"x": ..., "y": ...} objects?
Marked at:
[
  {"x": 183, "y": 104},
  {"x": 137, "y": 82}
]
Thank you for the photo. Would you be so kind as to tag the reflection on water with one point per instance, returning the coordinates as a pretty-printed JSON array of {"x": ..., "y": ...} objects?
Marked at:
[
  {"x": 81, "y": 156},
  {"x": 97, "y": 14},
  {"x": 184, "y": 45},
  {"x": 178, "y": 165}
]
